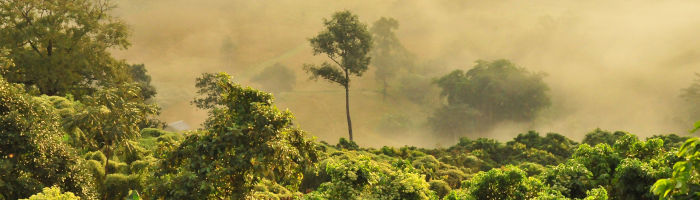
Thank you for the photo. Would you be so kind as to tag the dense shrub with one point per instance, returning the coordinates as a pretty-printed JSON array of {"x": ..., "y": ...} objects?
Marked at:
[
  {"x": 53, "y": 193},
  {"x": 32, "y": 153},
  {"x": 440, "y": 187}
]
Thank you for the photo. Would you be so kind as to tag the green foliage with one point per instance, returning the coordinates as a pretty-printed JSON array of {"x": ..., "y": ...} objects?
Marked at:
[
  {"x": 6, "y": 63},
  {"x": 32, "y": 155},
  {"x": 53, "y": 193},
  {"x": 497, "y": 90},
  {"x": 633, "y": 178},
  {"x": 487, "y": 149},
  {"x": 671, "y": 141},
  {"x": 361, "y": 177},
  {"x": 142, "y": 80},
  {"x": 600, "y": 160},
  {"x": 112, "y": 115},
  {"x": 532, "y": 169},
  {"x": 522, "y": 153},
  {"x": 209, "y": 92},
  {"x": 314, "y": 177},
  {"x": 116, "y": 186},
  {"x": 110, "y": 118},
  {"x": 350, "y": 178},
  {"x": 269, "y": 190},
  {"x": 571, "y": 179},
  {"x": 347, "y": 43},
  {"x": 697, "y": 127},
  {"x": 440, "y": 187},
  {"x": 96, "y": 156},
  {"x": 118, "y": 167},
  {"x": 138, "y": 74},
  {"x": 131, "y": 152},
  {"x": 598, "y": 193},
  {"x": 347, "y": 144},
  {"x": 553, "y": 143},
  {"x": 459, "y": 195},
  {"x": 427, "y": 165},
  {"x": 623, "y": 144},
  {"x": 153, "y": 132},
  {"x": 96, "y": 169},
  {"x": 453, "y": 177},
  {"x": 684, "y": 182},
  {"x": 133, "y": 195},
  {"x": 598, "y": 136},
  {"x": 276, "y": 78},
  {"x": 246, "y": 138},
  {"x": 646, "y": 150},
  {"x": 62, "y": 47},
  {"x": 507, "y": 183}
]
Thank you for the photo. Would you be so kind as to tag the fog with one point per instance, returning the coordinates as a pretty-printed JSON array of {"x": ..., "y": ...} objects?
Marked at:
[{"x": 617, "y": 65}]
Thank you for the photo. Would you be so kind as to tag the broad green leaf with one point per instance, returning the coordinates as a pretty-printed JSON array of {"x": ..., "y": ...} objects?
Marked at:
[{"x": 697, "y": 127}]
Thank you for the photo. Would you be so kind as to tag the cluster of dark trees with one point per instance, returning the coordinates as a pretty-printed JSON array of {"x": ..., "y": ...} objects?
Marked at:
[{"x": 76, "y": 123}]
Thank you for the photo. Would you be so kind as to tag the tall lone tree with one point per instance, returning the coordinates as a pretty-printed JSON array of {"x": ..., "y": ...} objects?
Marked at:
[{"x": 347, "y": 43}]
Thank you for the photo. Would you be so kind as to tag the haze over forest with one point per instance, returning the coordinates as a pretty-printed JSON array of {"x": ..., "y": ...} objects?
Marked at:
[{"x": 616, "y": 65}]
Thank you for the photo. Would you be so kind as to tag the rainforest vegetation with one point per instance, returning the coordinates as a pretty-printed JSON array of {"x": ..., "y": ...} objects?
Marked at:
[{"x": 78, "y": 123}]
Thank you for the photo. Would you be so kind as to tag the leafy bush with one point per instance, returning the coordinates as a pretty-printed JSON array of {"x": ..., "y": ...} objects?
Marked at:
[
  {"x": 598, "y": 136},
  {"x": 633, "y": 179},
  {"x": 245, "y": 139},
  {"x": 598, "y": 193},
  {"x": 440, "y": 187},
  {"x": 509, "y": 182},
  {"x": 53, "y": 193},
  {"x": 453, "y": 177},
  {"x": 347, "y": 144},
  {"x": 571, "y": 179},
  {"x": 684, "y": 183},
  {"x": 363, "y": 176},
  {"x": 116, "y": 186}
]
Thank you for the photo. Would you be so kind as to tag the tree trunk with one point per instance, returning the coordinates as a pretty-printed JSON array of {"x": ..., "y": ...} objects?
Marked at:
[
  {"x": 347, "y": 110},
  {"x": 347, "y": 103},
  {"x": 107, "y": 154},
  {"x": 49, "y": 48}
]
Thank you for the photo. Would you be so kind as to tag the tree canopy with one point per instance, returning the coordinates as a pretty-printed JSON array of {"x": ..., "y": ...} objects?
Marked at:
[
  {"x": 389, "y": 55},
  {"x": 245, "y": 139},
  {"x": 61, "y": 46},
  {"x": 691, "y": 95},
  {"x": 490, "y": 92}
]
